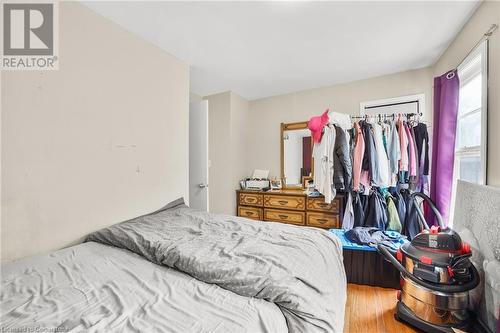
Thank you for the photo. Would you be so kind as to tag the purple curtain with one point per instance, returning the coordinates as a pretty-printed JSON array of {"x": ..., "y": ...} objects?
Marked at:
[{"x": 446, "y": 89}]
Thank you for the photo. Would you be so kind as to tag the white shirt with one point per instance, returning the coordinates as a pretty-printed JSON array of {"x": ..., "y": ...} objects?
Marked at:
[
  {"x": 341, "y": 119},
  {"x": 382, "y": 178},
  {"x": 323, "y": 164}
]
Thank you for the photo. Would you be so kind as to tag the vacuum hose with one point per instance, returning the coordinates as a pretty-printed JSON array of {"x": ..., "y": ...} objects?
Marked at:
[{"x": 432, "y": 286}]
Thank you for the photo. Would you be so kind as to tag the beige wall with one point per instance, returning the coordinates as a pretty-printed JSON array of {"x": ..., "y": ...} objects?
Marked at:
[
  {"x": 240, "y": 141},
  {"x": 486, "y": 15},
  {"x": 266, "y": 114},
  {"x": 101, "y": 140}
]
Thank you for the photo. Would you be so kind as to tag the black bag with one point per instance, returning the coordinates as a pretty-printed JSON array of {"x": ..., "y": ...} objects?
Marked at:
[
  {"x": 359, "y": 208},
  {"x": 411, "y": 227},
  {"x": 377, "y": 211}
]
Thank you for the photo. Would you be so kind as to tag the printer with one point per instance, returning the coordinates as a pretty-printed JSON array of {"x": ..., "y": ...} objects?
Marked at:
[
  {"x": 258, "y": 181},
  {"x": 256, "y": 184}
]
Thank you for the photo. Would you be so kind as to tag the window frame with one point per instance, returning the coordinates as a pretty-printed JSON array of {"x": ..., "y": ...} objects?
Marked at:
[{"x": 481, "y": 149}]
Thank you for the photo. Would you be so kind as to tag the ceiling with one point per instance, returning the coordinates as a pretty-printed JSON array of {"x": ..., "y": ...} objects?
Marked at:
[{"x": 260, "y": 49}]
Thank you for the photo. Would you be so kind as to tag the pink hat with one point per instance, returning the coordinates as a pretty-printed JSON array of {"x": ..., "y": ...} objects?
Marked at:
[{"x": 316, "y": 125}]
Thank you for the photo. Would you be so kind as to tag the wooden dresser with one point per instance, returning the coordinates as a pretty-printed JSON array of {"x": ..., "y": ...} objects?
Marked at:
[{"x": 290, "y": 206}]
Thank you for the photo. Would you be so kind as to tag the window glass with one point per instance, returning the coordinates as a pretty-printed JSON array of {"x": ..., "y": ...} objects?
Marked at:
[
  {"x": 469, "y": 130},
  {"x": 470, "y": 95},
  {"x": 470, "y": 168}
]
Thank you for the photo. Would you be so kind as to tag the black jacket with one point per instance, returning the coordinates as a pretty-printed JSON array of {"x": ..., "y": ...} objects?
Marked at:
[
  {"x": 422, "y": 141},
  {"x": 376, "y": 215},
  {"x": 370, "y": 156},
  {"x": 359, "y": 205},
  {"x": 342, "y": 165}
]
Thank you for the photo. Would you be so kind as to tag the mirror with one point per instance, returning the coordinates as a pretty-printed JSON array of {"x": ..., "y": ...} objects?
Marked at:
[{"x": 296, "y": 154}]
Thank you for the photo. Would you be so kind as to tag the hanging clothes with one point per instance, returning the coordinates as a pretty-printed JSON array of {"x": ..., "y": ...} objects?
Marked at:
[
  {"x": 348, "y": 220},
  {"x": 393, "y": 221},
  {"x": 411, "y": 225},
  {"x": 359, "y": 151},
  {"x": 323, "y": 152},
  {"x": 359, "y": 204},
  {"x": 412, "y": 159},
  {"x": 381, "y": 176},
  {"x": 413, "y": 180},
  {"x": 403, "y": 141},
  {"x": 376, "y": 215},
  {"x": 394, "y": 153},
  {"x": 370, "y": 156},
  {"x": 340, "y": 119},
  {"x": 342, "y": 167},
  {"x": 422, "y": 142},
  {"x": 400, "y": 203},
  {"x": 367, "y": 162}
]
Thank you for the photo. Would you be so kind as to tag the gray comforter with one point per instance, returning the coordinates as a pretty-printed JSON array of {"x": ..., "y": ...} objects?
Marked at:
[
  {"x": 299, "y": 269},
  {"x": 94, "y": 287}
]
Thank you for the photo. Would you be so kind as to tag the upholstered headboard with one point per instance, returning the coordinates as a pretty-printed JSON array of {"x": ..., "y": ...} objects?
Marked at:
[{"x": 477, "y": 220}]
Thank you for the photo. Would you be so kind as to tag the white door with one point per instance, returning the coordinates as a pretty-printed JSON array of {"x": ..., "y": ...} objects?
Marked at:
[{"x": 198, "y": 155}]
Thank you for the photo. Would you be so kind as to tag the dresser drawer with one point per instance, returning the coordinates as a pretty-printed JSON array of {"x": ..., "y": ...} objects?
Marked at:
[
  {"x": 284, "y": 202},
  {"x": 322, "y": 220},
  {"x": 285, "y": 216},
  {"x": 319, "y": 204},
  {"x": 251, "y": 199},
  {"x": 250, "y": 212}
]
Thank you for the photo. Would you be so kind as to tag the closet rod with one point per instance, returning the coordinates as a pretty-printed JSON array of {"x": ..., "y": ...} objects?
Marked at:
[
  {"x": 391, "y": 104},
  {"x": 485, "y": 36},
  {"x": 411, "y": 114}
]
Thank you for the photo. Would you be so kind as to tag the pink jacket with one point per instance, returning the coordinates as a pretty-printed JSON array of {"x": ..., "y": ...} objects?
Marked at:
[
  {"x": 359, "y": 151},
  {"x": 403, "y": 142},
  {"x": 412, "y": 162}
]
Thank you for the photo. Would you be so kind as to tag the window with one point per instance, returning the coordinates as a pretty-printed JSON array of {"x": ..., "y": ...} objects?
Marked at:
[{"x": 470, "y": 144}]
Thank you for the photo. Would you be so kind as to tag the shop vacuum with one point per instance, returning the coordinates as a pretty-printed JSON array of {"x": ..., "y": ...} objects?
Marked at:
[{"x": 436, "y": 276}]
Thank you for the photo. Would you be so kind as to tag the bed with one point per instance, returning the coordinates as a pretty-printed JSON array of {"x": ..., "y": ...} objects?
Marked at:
[{"x": 182, "y": 270}]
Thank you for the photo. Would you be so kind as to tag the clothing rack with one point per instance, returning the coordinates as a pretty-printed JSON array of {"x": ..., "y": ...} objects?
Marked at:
[{"x": 386, "y": 115}]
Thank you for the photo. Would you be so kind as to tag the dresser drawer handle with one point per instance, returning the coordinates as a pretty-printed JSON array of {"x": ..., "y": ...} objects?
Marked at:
[
  {"x": 322, "y": 221},
  {"x": 283, "y": 202},
  {"x": 251, "y": 199},
  {"x": 284, "y": 217},
  {"x": 323, "y": 204},
  {"x": 249, "y": 213}
]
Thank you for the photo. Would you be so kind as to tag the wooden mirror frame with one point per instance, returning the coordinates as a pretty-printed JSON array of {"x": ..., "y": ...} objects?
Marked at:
[{"x": 291, "y": 127}]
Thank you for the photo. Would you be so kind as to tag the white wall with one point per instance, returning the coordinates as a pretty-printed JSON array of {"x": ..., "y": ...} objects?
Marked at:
[
  {"x": 101, "y": 140},
  {"x": 486, "y": 15},
  {"x": 219, "y": 152},
  {"x": 227, "y": 149},
  {"x": 195, "y": 97}
]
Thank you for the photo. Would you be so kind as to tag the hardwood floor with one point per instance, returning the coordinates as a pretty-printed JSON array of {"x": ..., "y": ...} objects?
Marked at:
[{"x": 371, "y": 310}]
